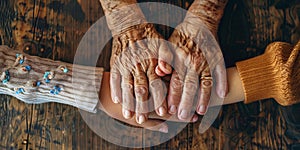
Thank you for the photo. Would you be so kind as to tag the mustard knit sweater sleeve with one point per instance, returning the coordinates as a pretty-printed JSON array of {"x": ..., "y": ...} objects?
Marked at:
[{"x": 275, "y": 74}]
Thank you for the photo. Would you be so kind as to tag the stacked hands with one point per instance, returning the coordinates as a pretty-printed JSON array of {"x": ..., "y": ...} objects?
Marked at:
[{"x": 141, "y": 58}]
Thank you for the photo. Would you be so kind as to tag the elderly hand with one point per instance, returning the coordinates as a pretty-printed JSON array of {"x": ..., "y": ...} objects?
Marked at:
[
  {"x": 137, "y": 50},
  {"x": 134, "y": 58},
  {"x": 196, "y": 55},
  {"x": 155, "y": 122}
]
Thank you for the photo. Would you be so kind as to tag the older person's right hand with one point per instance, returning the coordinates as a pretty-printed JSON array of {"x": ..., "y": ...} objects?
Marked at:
[{"x": 197, "y": 60}]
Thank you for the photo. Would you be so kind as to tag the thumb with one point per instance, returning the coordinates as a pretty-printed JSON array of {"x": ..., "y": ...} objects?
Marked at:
[{"x": 165, "y": 58}]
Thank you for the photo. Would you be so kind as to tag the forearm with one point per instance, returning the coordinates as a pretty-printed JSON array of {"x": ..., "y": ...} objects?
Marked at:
[
  {"x": 78, "y": 93},
  {"x": 235, "y": 88},
  {"x": 209, "y": 11}
]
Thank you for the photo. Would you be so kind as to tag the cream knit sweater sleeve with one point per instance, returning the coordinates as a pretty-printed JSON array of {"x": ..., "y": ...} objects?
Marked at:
[{"x": 37, "y": 80}]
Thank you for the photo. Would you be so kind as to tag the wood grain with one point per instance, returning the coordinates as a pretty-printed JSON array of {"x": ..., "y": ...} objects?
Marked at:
[{"x": 53, "y": 29}]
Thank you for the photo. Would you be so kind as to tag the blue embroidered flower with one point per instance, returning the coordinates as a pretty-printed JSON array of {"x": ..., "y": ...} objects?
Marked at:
[
  {"x": 20, "y": 90},
  {"x": 7, "y": 77},
  {"x": 28, "y": 68},
  {"x": 21, "y": 61},
  {"x": 19, "y": 56},
  {"x": 46, "y": 77},
  {"x": 55, "y": 91},
  {"x": 66, "y": 70}
]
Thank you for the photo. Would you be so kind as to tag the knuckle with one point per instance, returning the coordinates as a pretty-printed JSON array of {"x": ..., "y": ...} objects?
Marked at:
[
  {"x": 191, "y": 81},
  {"x": 140, "y": 80},
  {"x": 191, "y": 88},
  {"x": 114, "y": 76},
  {"x": 152, "y": 75},
  {"x": 206, "y": 83},
  {"x": 156, "y": 84},
  {"x": 140, "y": 90},
  {"x": 158, "y": 91},
  {"x": 127, "y": 86},
  {"x": 177, "y": 84}
]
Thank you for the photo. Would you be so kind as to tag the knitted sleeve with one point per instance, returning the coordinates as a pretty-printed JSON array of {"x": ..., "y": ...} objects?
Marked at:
[
  {"x": 275, "y": 74},
  {"x": 37, "y": 80}
]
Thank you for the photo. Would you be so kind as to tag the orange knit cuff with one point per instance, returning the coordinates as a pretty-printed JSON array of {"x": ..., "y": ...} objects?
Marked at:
[
  {"x": 258, "y": 78},
  {"x": 272, "y": 75}
]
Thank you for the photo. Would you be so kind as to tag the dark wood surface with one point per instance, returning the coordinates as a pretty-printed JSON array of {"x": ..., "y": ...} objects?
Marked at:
[{"x": 53, "y": 29}]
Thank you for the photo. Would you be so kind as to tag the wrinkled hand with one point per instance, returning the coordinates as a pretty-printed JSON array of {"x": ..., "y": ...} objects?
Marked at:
[
  {"x": 136, "y": 53},
  {"x": 194, "y": 53},
  {"x": 155, "y": 123}
]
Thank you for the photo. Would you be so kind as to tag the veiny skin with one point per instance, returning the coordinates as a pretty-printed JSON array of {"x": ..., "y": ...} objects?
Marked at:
[
  {"x": 190, "y": 65},
  {"x": 191, "y": 82},
  {"x": 134, "y": 58},
  {"x": 139, "y": 57}
]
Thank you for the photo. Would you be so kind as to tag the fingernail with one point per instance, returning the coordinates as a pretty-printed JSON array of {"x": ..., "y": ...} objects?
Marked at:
[
  {"x": 164, "y": 129},
  {"x": 222, "y": 94},
  {"x": 202, "y": 109},
  {"x": 195, "y": 118},
  {"x": 126, "y": 114},
  {"x": 172, "y": 109},
  {"x": 141, "y": 119},
  {"x": 116, "y": 100},
  {"x": 159, "y": 72},
  {"x": 183, "y": 114},
  {"x": 162, "y": 111}
]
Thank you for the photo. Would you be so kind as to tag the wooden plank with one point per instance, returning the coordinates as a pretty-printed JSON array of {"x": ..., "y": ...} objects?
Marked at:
[{"x": 56, "y": 126}]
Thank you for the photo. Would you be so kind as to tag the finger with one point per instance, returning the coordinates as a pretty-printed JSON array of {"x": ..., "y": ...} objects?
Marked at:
[
  {"x": 173, "y": 118},
  {"x": 141, "y": 94},
  {"x": 157, "y": 90},
  {"x": 127, "y": 95},
  {"x": 165, "y": 58},
  {"x": 151, "y": 124},
  {"x": 175, "y": 92},
  {"x": 204, "y": 95},
  {"x": 115, "y": 85},
  {"x": 221, "y": 80},
  {"x": 159, "y": 72},
  {"x": 190, "y": 87},
  {"x": 155, "y": 125}
]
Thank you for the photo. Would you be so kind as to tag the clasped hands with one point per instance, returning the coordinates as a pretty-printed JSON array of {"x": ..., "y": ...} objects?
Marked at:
[{"x": 141, "y": 57}]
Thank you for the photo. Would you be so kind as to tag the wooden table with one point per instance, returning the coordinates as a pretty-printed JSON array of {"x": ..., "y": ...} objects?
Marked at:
[{"x": 55, "y": 29}]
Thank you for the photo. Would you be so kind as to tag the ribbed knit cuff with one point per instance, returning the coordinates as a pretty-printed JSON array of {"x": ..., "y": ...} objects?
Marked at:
[
  {"x": 275, "y": 74},
  {"x": 258, "y": 78}
]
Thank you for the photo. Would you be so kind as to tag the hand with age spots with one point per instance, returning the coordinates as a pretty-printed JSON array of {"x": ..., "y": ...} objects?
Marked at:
[
  {"x": 154, "y": 123},
  {"x": 194, "y": 50},
  {"x": 135, "y": 55}
]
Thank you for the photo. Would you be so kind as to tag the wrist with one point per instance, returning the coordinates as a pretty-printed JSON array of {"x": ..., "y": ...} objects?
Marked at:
[
  {"x": 271, "y": 75},
  {"x": 210, "y": 12},
  {"x": 121, "y": 15}
]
